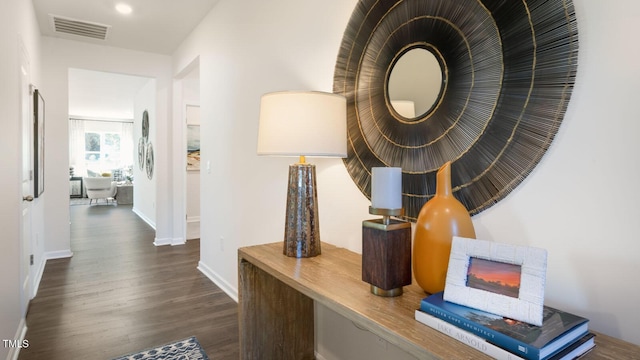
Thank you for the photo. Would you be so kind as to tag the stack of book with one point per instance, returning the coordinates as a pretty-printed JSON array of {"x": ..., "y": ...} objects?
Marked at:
[{"x": 561, "y": 336}]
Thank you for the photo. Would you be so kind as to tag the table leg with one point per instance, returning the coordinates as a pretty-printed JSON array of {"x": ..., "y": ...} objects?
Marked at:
[{"x": 276, "y": 321}]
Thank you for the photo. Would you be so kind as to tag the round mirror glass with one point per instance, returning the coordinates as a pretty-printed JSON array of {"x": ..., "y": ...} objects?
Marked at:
[{"x": 415, "y": 83}]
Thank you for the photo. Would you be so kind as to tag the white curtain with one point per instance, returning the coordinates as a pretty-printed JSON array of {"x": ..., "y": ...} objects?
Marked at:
[{"x": 77, "y": 147}]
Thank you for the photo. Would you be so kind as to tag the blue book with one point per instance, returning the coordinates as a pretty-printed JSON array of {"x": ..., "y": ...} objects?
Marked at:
[{"x": 559, "y": 329}]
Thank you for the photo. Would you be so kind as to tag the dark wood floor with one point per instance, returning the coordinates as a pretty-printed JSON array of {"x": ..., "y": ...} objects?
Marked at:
[{"x": 120, "y": 294}]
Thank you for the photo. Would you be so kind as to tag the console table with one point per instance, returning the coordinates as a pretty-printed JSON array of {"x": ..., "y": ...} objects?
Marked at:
[{"x": 276, "y": 316}]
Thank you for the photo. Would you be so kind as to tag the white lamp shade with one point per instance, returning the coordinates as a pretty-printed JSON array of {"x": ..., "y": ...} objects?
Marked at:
[
  {"x": 386, "y": 188},
  {"x": 307, "y": 123}
]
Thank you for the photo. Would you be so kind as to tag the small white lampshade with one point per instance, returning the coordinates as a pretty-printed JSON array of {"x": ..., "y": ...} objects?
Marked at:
[
  {"x": 309, "y": 123},
  {"x": 386, "y": 187}
]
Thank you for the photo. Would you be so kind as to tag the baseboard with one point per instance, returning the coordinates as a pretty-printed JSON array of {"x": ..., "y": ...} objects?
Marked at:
[
  {"x": 178, "y": 241},
  {"x": 221, "y": 283},
  {"x": 21, "y": 333},
  {"x": 193, "y": 227},
  {"x": 193, "y": 219},
  {"x": 51, "y": 255},
  {"x": 144, "y": 218},
  {"x": 162, "y": 242},
  {"x": 38, "y": 277}
]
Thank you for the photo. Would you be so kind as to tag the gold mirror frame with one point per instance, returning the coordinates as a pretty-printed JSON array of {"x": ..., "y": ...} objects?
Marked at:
[{"x": 509, "y": 71}]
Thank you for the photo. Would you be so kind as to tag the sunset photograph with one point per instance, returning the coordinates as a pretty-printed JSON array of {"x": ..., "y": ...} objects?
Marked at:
[{"x": 493, "y": 276}]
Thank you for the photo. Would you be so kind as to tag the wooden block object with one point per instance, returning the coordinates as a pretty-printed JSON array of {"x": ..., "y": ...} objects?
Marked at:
[{"x": 386, "y": 256}]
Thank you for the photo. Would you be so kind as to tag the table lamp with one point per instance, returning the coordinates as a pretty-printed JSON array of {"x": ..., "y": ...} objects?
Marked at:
[
  {"x": 386, "y": 243},
  {"x": 302, "y": 123}
]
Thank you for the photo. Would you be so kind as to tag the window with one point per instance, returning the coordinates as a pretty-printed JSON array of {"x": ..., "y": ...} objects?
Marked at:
[
  {"x": 102, "y": 150},
  {"x": 100, "y": 146}
]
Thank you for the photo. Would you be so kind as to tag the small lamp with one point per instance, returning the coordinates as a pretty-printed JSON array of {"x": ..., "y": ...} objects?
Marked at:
[
  {"x": 302, "y": 124},
  {"x": 386, "y": 243}
]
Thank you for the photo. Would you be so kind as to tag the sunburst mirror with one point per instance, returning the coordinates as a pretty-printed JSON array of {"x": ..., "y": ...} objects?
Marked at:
[{"x": 491, "y": 82}]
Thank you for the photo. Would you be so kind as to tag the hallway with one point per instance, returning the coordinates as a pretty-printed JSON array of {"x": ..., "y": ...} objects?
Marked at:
[{"x": 120, "y": 294}]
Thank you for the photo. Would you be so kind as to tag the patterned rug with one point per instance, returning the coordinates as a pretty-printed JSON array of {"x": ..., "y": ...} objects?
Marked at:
[{"x": 187, "y": 349}]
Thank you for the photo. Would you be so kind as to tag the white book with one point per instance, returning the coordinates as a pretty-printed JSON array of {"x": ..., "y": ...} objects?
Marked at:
[{"x": 466, "y": 337}]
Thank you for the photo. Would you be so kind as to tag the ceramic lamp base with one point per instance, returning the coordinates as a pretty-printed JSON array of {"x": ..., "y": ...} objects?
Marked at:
[
  {"x": 386, "y": 256},
  {"x": 302, "y": 232}
]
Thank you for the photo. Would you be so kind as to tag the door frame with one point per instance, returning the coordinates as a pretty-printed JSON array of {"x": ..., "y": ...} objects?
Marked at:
[{"x": 26, "y": 180}]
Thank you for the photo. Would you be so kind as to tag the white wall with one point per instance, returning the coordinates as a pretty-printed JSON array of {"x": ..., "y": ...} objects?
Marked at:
[
  {"x": 145, "y": 189},
  {"x": 17, "y": 25},
  {"x": 244, "y": 54},
  {"x": 580, "y": 202},
  {"x": 61, "y": 55}
]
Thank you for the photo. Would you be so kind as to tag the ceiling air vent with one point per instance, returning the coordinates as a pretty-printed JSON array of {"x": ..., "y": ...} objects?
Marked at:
[{"x": 79, "y": 27}]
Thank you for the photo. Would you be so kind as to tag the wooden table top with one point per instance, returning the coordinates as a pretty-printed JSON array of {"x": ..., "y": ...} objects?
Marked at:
[{"x": 334, "y": 279}]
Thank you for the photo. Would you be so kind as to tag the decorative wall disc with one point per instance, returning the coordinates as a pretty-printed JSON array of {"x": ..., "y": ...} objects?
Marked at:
[
  {"x": 149, "y": 162},
  {"x": 145, "y": 126},
  {"x": 508, "y": 69},
  {"x": 141, "y": 147}
]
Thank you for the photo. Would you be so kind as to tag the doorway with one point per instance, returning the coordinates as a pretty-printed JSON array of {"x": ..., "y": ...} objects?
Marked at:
[
  {"x": 103, "y": 125},
  {"x": 193, "y": 171},
  {"x": 187, "y": 104}
]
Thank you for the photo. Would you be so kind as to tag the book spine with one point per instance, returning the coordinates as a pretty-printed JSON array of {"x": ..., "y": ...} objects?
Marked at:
[
  {"x": 465, "y": 337},
  {"x": 498, "y": 338}
]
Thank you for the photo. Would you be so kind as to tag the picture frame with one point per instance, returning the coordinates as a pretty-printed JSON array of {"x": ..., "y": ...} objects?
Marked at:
[
  {"x": 484, "y": 275},
  {"x": 193, "y": 147},
  {"x": 38, "y": 148},
  {"x": 192, "y": 129}
]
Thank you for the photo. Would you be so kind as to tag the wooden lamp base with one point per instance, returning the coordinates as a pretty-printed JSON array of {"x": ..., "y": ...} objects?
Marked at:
[{"x": 386, "y": 256}]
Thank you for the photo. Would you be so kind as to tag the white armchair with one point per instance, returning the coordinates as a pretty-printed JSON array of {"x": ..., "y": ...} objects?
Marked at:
[{"x": 100, "y": 188}]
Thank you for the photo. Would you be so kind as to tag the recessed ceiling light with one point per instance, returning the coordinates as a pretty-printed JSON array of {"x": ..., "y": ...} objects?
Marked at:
[{"x": 124, "y": 8}]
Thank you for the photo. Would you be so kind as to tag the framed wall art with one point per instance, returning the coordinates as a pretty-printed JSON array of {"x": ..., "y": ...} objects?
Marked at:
[
  {"x": 38, "y": 136},
  {"x": 193, "y": 147},
  {"x": 193, "y": 137},
  {"x": 502, "y": 279}
]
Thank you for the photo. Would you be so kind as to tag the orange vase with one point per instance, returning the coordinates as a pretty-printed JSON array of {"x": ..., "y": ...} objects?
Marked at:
[{"x": 440, "y": 219}]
